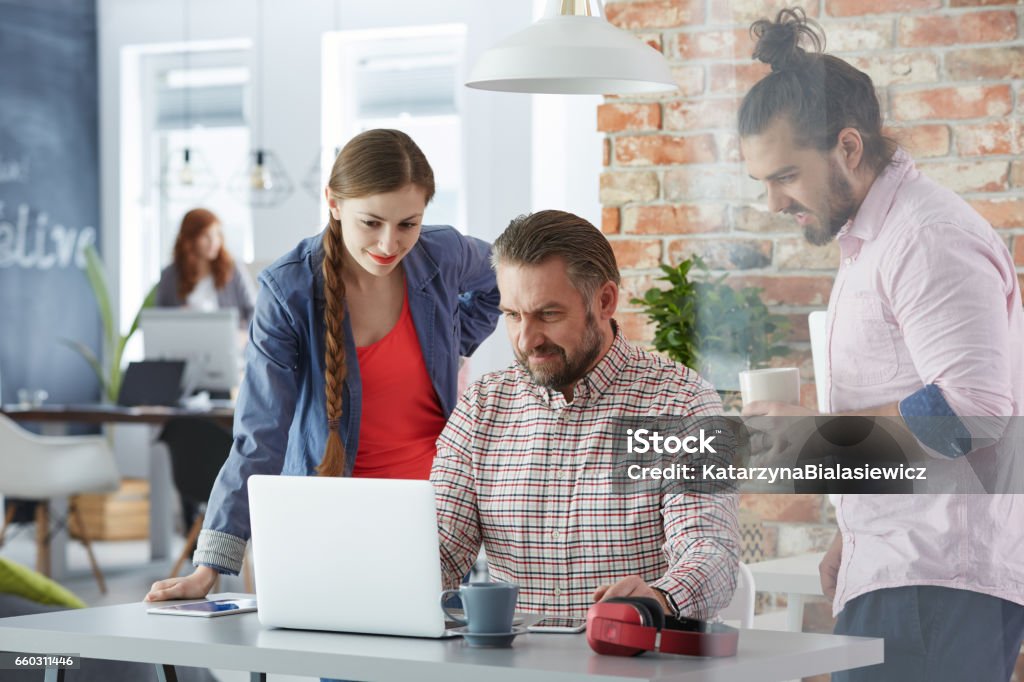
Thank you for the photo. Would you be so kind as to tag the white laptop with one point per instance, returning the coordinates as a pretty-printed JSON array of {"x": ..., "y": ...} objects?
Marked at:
[{"x": 347, "y": 554}]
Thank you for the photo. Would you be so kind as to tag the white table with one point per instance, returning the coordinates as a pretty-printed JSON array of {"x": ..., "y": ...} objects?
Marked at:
[
  {"x": 797, "y": 576},
  {"x": 126, "y": 632},
  {"x": 55, "y": 420}
]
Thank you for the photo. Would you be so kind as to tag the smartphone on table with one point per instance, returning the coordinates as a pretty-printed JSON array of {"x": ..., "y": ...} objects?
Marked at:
[
  {"x": 559, "y": 624},
  {"x": 210, "y": 608}
]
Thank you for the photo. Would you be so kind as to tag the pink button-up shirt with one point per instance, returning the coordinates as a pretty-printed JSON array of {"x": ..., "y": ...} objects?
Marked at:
[{"x": 927, "y": 294}]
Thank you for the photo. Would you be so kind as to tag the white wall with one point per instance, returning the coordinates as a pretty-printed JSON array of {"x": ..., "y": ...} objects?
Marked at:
[{"x": 502, "y": 171}]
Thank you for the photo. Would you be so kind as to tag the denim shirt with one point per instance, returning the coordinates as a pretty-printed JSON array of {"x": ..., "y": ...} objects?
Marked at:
[{"x": 280, "y": 417}]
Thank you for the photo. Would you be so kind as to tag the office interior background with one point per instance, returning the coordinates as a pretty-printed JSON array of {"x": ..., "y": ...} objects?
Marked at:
[{"x": 102, "y": 97}]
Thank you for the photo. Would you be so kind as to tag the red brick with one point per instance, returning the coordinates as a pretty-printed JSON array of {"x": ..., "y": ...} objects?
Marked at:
[
  {"x": 661, "y": 150},
  {"x": 703, "y": 44},
  {"x": 700, "y": 114},
  {"x": 788, "y": 289},
  {"x": 981, "y": 3},
  {"x": 636, "y": 326},
  {"x": 610, "y": 220},
  {"x": 800, "y": 358},
  {"x": 996, "y": 137},
  {"x": 674, "y": 219},
  {"x": 858, "y": 35},
  {"x": 736, "y": 78},
  {"x": 899, "y": 69},
  {"x": 723, "y": 254},
  {"x": 728, "y": 146},
  {"x": 973, "y": 101},
  {"x": 799, "y": 332},
  {"x": 976, "y": 176},
  {"x": 1020, "y": 283},
  {"x": 1018, "y": 250},
  {"x": 1017, "y": 174},
  {"x": 849, "y": 8},
  {"x": 990, "y": 63},
  {"x": 652, "y": 39},
  {"x": 793, "y": 508},
  {"x": 745, "y": 11},
  {"x": 759, "y": 219},
  {"x": 616, "y": 117},
  {"x": 638, "y": 16},
  {"x": 689, "y": 79},
  {"x": 635, "y": 286},
  {"x": 623, "y": 187},
  {"x": 708, "y": 182},
  {"x": 922, "y": 141},
  {"x": 976, "y": 27},
  {"x": 606, "y": 152},
  {"x": 637, "y": 253},
  {"x": 799, "y": 254},
  {"x": 1001, "y": 213}
]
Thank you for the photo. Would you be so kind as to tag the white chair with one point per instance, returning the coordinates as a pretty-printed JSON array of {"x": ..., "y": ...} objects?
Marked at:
[
  {"x": 40, "y": 468},
  {"x": 817, "y": 326},
  {"x": 741, "y": 608}
]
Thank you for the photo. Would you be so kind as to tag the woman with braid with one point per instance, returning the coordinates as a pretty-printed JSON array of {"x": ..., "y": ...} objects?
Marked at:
[{"x": 354, "y": 350}]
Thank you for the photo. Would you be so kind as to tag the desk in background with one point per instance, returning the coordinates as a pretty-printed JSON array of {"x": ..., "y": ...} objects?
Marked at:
[
  {"x": 127, "y": 633},
  {"x": 797, "y": 576},
  {"x": 55, "y": 419}
]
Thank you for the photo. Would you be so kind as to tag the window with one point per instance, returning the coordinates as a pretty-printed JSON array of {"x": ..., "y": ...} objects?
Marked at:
[{"x": 408, "y": 79}]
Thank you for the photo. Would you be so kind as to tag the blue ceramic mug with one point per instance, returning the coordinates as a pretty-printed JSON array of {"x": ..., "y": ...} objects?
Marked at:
[{"x": 488, "y": 607}]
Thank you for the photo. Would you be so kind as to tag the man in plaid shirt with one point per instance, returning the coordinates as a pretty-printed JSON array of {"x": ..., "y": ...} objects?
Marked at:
[{"x": 525, "y": 464}]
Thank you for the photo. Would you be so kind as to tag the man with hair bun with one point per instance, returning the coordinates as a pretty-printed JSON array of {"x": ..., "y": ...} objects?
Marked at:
[{"x": 925, "y": 327}]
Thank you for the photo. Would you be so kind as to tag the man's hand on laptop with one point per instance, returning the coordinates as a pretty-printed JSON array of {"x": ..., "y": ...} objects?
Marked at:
[
  {"x": 631, "y": 586},
  {"x": 195, "y": 586}
]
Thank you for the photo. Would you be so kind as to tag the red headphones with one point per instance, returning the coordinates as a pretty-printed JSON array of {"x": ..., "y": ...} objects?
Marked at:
[{"x": 629, "y": 626}]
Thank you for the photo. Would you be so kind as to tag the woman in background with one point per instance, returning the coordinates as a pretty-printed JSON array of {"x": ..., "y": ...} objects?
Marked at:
[{"x": 203, "y": 275}]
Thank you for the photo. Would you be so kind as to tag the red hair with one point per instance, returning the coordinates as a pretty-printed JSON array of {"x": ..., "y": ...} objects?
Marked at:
[{"x": 186, "y": 256}]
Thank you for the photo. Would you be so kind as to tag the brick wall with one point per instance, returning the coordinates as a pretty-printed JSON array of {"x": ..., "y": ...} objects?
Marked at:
[{"x": 950, "y": 76}]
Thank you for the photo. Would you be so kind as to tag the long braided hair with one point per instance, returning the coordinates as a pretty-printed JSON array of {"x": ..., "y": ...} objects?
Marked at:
[{"x": 373, "y": 162}]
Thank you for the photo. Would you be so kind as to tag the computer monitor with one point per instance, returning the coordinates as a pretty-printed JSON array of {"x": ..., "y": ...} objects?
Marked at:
[{"x": 206, "y": 341}]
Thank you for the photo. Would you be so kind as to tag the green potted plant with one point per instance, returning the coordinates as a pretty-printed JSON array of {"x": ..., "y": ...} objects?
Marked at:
[
  {"x": 711, "y": 327},
  {"x": 108, "y": 370}
]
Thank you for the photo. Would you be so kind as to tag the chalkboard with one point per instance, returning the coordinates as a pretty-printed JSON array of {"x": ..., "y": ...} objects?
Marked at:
[{"x": 49, "y": 196}]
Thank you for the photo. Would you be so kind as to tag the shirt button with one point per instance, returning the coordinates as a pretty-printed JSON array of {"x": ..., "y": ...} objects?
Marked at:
[
  {"x": 848, "y": 260},
  {"x": 554, "y": 535},
  {"x": 559, "y": 475},
  {"x": 558, "y": 591}
]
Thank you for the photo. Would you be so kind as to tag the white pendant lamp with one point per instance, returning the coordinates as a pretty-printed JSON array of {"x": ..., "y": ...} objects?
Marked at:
[{"x": 572, "y": 50}]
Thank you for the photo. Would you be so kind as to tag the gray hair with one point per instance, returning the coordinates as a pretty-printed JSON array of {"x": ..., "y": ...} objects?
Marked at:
[{"x": 534, "y": 238}]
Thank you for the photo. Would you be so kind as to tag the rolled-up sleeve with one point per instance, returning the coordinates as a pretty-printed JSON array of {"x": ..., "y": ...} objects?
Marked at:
[{"x": 949, "y": 288}]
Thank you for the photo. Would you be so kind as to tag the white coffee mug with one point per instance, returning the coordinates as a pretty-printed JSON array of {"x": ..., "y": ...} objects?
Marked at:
[{"x": 777, "y": 384}]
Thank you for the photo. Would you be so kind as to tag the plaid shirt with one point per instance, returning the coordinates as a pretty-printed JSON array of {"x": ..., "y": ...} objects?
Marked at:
[{"x": 528, "y": 474}]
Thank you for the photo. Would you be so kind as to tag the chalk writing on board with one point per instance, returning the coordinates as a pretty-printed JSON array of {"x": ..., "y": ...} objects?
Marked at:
[
  {"x": 38, "y": 245},
  {"x": 14, "y": 170}
]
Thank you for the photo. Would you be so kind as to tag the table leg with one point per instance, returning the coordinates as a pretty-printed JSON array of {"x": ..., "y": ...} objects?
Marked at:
[
  {"x": 795, "y": 612},
  {"x": 58, "y": 545},
  {"x": 160, "y": 522},
  {"x": 43, "y": 537},
  {"x": 257, "y": 677},
  {"x": 166, "y": 673},
  {"x": 53, "y": 675}
]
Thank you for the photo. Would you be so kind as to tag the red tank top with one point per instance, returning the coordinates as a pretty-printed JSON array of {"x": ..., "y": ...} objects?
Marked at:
[{"x": 402, "y": 416}]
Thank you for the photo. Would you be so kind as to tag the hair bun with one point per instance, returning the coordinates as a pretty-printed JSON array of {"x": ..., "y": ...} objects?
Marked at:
[{"x": 778, "y": 42}]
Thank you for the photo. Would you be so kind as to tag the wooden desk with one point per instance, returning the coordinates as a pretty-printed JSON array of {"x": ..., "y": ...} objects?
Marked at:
[
  {"x": 55, "y": 419},
  {"x": 127, "y": 633}
]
